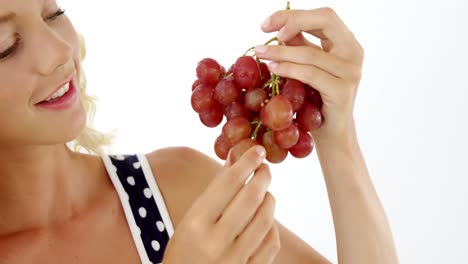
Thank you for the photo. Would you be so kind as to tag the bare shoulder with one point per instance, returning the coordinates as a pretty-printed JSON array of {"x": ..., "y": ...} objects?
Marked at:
[{"x": 182, "y": 174}]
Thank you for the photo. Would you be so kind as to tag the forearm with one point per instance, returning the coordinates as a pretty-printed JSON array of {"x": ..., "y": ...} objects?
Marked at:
[{"x": 362, "y": 231}]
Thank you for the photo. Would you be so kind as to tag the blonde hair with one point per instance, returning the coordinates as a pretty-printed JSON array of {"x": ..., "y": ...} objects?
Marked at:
[{"x": 89, "y": 139}]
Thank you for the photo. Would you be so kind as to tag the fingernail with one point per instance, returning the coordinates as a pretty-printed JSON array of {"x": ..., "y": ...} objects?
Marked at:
[
  {"x": 273, "y": 65},
  {"x": 281, "y": 34},
  {"x": 261, "y": 151},
  {"x": 261, "y": 48},
  {"x": 266, "y": 23}
]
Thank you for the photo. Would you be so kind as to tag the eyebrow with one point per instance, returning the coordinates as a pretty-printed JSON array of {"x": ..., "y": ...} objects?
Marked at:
[{"x": 6, "y": 18}]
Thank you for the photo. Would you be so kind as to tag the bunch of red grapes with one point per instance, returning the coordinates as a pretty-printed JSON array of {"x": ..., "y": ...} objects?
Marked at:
[{"x": 260, "y": 108}]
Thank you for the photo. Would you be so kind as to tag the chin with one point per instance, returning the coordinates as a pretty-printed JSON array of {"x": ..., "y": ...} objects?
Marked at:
[
  {"x": 75, "y": 128},
  {"x": 68, "y": 130}
]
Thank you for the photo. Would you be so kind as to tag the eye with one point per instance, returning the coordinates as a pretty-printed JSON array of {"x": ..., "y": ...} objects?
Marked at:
[
  {"x": 8, "y": 52},
  {"x": 56, "y": 15},
  {"x": 11, "y": 50}
]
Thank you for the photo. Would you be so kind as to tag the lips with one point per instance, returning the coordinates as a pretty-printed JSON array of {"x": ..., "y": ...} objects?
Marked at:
[
  {"x": 57, "y": 89},
  {"x": 63, "y": 102}
]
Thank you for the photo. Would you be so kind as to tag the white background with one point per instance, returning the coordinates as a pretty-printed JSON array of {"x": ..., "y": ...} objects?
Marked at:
[{"x": 411, "y": 109}]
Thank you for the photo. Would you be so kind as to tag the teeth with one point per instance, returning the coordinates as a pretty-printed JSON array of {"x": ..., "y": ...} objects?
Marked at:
[{"x": 60, "y": 92}]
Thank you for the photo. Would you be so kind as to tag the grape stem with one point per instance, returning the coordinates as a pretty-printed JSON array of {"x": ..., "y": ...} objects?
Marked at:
[
  {"x": 254, "y": 134},
  {"x": 273, "y": 82},
  {"x": 254, "y": 122},
  {"x": 266, "y": 43},
  {"x": 273, "y": 40}
]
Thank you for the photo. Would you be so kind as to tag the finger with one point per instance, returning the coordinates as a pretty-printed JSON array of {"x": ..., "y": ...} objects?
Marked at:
[
  {"x": 300, "y": 40},
  {"x": 327, "y": 84},
  {"x": 227, "y": 184},
  {"x": 255, "y": 233},
  {"x": 242, "y": 209},
  {"x": 322, "y": 23},
  {"x": 307, "y": 55},
  {"x": 269, "y": 248}
]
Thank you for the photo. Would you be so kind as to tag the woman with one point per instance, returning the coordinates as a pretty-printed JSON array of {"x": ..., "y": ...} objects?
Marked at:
[{"x": 62, "y": 206}]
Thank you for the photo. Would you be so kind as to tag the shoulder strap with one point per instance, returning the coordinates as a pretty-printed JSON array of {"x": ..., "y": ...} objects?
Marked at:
[{"x": 143, "y": 204}]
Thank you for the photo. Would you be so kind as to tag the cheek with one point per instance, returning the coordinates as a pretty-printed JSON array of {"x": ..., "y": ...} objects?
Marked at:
[
  {"x": 13, "y": 96},
  {"x": 14, "y": 107}
]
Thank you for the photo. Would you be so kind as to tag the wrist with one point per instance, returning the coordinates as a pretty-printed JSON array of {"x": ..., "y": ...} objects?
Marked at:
[{"x": 344, "y": 137}]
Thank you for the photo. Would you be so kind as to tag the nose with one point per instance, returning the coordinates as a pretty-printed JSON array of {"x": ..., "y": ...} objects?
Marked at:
[{"x": 51, "y": 51}]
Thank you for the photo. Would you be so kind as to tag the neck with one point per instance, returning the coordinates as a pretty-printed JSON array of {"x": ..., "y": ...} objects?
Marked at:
[{"x": 40, "y": 187}]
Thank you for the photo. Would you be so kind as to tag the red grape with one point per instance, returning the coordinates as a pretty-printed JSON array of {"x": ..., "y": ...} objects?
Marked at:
[
  {"x": 254, "y": 99},
  {"x": 275, "y": 154},
  {"x": 277, "y": 114},
  {"x": 222, "y": 147},
  {"x": 226, "y": 91},
  {"x": 287, "y": 137},
  {"x": 246, "y": 72},
  {"x": 209, "y": 71},
  {"x": 195, "y": 84},
  {"x": 313, "y": 96},
  {"x": 202, "y": 98},
  {"x": 304, "y": 146},
  {"x": 309, "y": 117},
  {"x": 265, "y": 74},
  {"x": 236, "y": 109},
  {"x": 240, "y": 148},
  {"x": 223, "y": 70},
  {"x": 237, "y": 129},
  {"x": 260, "y": 108},
  {"x": 295, "y": 92},
  {"x": 213, "y": 117}
]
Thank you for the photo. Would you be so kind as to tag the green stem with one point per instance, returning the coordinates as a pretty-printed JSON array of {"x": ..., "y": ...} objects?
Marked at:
[
  {"x": 254, "y": 122},
  {"x": 275, "y": 83},
  {"x": 254, "y": 134},
  {"x": 272, "y": 40},
  {"x": 288, "y": 6},
  {"x": 249, "y": 50}
]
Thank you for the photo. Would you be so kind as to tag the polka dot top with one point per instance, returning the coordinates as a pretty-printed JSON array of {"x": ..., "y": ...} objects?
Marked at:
[{"x": 143, "y": 204}]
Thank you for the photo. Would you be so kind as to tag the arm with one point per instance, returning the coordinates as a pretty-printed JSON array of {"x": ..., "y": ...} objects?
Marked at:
[{"x": 362, "y": 231}]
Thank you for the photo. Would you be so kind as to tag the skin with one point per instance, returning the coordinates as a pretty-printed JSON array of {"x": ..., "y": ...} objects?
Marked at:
[{"x": 57, "y": 206}]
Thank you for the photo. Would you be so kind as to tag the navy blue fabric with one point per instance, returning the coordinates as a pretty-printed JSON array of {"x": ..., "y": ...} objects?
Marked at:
[{"x": 144, "y": 208}]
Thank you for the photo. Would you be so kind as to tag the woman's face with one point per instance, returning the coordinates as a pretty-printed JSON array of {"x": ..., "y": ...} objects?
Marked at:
[{"x": 39, "y": 53}]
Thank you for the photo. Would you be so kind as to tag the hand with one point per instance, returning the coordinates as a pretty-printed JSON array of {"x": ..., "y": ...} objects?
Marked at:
[
  {"x": 334, "y": 69},
  {"x": 230, "y": 222}
]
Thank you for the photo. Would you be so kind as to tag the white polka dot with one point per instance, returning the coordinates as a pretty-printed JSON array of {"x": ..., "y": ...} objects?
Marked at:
[
  {"x": 156, "y": 246},
  {"x": 137, "y": 165},
  {"x": 119, "y": 157},
  {"x": 142, "y": 212},
  {"x": 160, "y": 226},
  {"x": 138, "y": 230},
  {"x": 126, "y": 196},
  {"x": 114, "y": 168},
  {"x": 131, "y": 180},
  {"x": 147, "y": 193}
]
